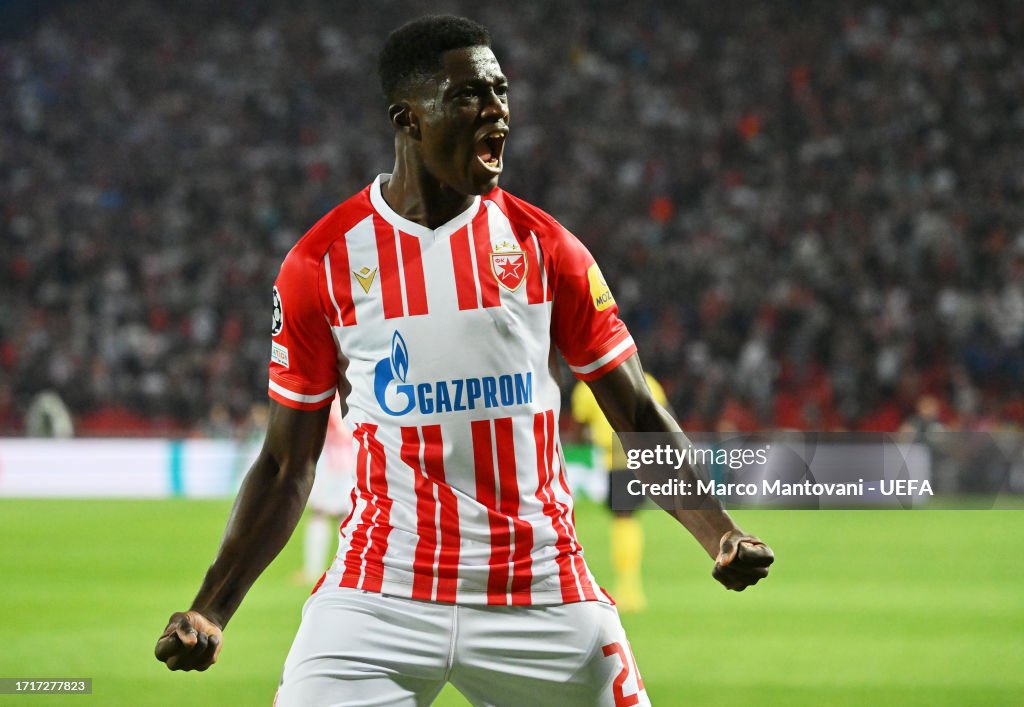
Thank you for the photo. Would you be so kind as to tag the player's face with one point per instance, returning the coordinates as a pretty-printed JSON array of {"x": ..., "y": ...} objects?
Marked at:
[{"x": 464, "y": 121}]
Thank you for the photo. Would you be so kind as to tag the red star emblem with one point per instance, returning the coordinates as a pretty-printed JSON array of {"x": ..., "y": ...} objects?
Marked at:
[{"x": 509, "y": 269}]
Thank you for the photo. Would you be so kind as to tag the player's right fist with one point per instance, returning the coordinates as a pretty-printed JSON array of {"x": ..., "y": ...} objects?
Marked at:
[
  {"x": 742, "y": 561},
  {"x": 190, "y": 642}
]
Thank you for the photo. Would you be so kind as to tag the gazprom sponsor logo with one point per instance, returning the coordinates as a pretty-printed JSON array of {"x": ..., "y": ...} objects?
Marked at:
[{"x": 397, "y": 396}]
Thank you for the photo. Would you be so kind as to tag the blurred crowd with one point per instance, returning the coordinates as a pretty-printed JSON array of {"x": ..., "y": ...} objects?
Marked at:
[{"x": 811, "y": 214}]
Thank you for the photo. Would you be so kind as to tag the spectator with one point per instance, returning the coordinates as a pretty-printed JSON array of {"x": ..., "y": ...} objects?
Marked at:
[{"x": 811, "y": 214}]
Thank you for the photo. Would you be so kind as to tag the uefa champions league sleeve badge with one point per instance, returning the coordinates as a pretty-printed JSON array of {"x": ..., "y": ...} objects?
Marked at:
[{"x": 278, "y": 324}]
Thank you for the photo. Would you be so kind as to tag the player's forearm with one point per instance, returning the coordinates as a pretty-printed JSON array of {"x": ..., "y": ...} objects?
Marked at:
[
  {"x": 703, "y": 516},
  {"x": 266, "y": 511}
]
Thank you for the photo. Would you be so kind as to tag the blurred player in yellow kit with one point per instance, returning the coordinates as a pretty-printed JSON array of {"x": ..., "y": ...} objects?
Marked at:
[{"x": 627, "y": 536}]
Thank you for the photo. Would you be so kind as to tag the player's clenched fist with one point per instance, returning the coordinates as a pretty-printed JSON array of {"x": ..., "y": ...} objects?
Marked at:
[
  {"x": 742, "y": 561},
  {"x": 190, "y": 642}
]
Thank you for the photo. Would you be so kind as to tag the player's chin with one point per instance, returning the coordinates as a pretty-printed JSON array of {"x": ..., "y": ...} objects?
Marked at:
[{"x": 482, "y": 176}]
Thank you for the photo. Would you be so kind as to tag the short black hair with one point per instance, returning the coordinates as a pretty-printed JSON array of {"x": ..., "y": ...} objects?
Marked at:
[{"x": 414, "y": 50}]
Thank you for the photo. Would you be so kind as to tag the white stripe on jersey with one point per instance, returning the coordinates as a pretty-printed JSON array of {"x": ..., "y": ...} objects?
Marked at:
[
  {"x": 540, "y": 262},
  {"x": 476, "y": 268},
  {"x": 590, "y": 367},
  {"x": 400, "y": 260},
  {"x": 361, "y": 242},
  {"x": 330, "y": 289},
  {"x": 316, "y": 398}
]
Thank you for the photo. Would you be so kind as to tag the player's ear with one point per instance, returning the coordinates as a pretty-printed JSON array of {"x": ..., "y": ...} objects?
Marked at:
[{"x": 404, "y": 119}]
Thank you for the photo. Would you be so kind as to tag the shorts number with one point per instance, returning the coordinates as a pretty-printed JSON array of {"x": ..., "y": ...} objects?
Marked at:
[{"x": 621, "y": 699}]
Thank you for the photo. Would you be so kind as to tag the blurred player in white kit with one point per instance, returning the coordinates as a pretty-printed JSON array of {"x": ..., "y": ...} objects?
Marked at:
[{"x": 330, "y": 499}]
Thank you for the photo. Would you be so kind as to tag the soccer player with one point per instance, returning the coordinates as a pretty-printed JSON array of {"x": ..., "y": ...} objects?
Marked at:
[
  {"x": 432, "y": 302},
  {"x": 626, "y": 537}
]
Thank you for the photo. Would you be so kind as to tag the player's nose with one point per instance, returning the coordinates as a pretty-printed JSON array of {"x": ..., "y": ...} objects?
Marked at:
[{"x": 494, "y": 107}]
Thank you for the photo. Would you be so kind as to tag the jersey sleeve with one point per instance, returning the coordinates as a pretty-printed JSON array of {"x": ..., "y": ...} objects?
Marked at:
[
  {"x": 585, "y": 322},
  {"x": 303, "y": 356}
]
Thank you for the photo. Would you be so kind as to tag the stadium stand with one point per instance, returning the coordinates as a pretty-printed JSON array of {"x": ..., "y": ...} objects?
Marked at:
[{"x": 812, "y": 214}]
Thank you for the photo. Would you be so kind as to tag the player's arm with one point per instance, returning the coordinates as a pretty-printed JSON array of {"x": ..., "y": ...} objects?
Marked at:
[
  {"x": 624, "y": 397},
  {"x": 586, "y": 328},
  {"x": 266, "y": 511}
]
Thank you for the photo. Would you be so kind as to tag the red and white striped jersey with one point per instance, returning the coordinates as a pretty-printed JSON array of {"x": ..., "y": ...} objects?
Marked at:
[{"x": 440, "y": 342}]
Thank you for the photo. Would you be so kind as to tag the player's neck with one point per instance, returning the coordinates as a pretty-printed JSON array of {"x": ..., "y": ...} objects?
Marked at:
[{"x": 415, "y": 195}]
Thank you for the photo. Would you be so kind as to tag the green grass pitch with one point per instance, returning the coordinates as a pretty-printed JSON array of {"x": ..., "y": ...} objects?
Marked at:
[{"x": 881, "y": 608}]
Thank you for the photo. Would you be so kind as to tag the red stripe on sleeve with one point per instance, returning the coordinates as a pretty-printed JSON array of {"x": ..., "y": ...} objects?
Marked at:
[
  {"x": 412, "y": 266},
  {"x": 482, "y": 243},
  {"x": 387, "y": 259},
  {"x": 448, "y": 557},
  {"x": 543, "y": 427},
  {"x": 426, "y": 518},
  {"x": 508, "y": 504},
  {"x": 486, "y": 493},
  {"x": 373, "y": 573},
  {"x": 462, "y": 260},
  {"x": 341, "y": 282}
]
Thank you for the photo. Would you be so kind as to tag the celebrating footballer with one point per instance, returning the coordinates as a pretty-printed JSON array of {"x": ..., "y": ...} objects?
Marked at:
[{"x": 432, "y": 304}]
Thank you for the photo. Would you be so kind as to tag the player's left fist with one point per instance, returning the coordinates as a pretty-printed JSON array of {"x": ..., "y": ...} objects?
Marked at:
[
  {"x": 190, "y": 642},
  {"x": 742, "y": 560}
]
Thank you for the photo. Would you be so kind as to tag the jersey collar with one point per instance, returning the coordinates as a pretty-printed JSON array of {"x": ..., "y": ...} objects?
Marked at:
[{"x": 405, "y": 225}]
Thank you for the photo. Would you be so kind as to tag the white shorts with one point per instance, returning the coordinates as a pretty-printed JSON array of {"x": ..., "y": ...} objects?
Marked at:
[{"x": 362, "y": 648}]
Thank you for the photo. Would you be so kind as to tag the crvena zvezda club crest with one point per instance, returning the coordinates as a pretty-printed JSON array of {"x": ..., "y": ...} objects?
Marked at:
[{"x": 509, "y": 269}]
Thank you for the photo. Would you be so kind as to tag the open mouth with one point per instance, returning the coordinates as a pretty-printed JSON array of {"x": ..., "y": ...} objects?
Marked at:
[{"x": 489, "y": 149}]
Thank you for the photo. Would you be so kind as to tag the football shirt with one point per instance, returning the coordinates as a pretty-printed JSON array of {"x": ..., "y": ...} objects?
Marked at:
[{"x": 440, "y": 343}]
